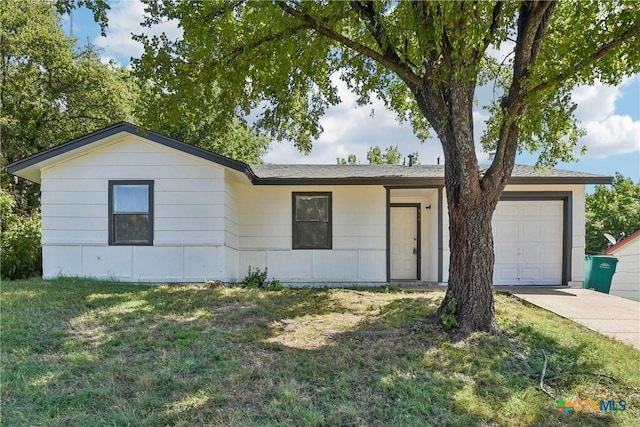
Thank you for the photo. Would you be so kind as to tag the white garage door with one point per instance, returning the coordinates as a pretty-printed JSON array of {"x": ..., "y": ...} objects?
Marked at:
[{"x": 528, "y": 242}]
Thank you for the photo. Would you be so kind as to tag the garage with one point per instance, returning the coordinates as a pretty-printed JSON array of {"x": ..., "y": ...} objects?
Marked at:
[{"x": 529, "y": 238}]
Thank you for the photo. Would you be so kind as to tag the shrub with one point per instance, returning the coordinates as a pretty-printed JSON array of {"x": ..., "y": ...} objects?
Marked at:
[
  {"x": 258, "y": 279},
  {"x": 275, "y": 285},
  {"x": 20, "y": 245},
  {"x": 255, "y": 279}
]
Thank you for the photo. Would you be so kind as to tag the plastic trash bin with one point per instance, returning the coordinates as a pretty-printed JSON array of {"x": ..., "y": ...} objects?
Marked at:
[{"x": 598, "y": 272}]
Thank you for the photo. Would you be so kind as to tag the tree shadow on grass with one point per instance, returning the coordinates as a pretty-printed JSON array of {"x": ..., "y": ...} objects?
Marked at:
[{"x": 187, "y": 355}]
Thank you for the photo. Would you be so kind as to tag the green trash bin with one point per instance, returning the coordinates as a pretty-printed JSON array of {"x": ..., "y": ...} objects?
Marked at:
[{"x": 598, "y": 272}]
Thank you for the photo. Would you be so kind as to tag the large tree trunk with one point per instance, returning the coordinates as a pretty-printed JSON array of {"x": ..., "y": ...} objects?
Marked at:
[
  {"x": 471, "y": 262},
  {"x": 471, "y": 203}
]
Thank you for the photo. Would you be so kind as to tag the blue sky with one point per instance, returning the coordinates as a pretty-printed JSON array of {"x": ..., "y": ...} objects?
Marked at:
[{"x": 610, "y": 115}]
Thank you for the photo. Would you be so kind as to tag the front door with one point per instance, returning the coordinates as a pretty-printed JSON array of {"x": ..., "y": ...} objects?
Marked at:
[{"x": 404, "y": 242}]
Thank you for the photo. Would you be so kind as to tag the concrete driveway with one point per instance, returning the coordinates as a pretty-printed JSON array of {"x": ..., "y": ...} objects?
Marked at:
[{"x": 607, "y": 314}]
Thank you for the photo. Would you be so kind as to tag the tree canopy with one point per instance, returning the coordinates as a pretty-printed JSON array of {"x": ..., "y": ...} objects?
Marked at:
[
  {"x": 278, "y": 57},
  {"x": 615, "y": 211},
  {"x": 51, "y": 90},
  {"x": 391, "y": 156},
  {"x": 240, "y": 142},
  {"x": 350, "y": 160}
]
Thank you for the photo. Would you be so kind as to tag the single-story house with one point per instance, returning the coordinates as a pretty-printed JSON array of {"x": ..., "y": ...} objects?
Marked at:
[
  {"x": 133, "y": 205},
  {"x": 626, "y": 279}
]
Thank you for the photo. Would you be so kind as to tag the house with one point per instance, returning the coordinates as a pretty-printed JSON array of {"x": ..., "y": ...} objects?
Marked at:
[
  {"x": 626, "y": 279},
  {"x": 132, "y": 205}
]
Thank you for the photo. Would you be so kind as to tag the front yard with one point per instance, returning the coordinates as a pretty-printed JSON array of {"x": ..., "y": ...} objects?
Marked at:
[{"x": 78, "y": 352}]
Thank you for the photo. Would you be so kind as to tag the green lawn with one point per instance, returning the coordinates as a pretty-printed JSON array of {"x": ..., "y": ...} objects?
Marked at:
[{"x": 78, "y": 352}]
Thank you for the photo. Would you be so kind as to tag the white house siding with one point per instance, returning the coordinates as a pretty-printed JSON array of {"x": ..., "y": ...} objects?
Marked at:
[
  {"x": 626, "y": 280},
  {"x": 189, "y": 215},
  {"x": 578, "y": 227},
  {"x": 359, "y": 235},
  {"x": 232, "y": 227}
]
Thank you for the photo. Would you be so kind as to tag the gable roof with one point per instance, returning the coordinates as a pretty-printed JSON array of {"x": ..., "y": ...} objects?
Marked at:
[
  {"x": 622, "y": 243},
  {"x": 275, "y": 174},
  {"x": 29, "y": 167}
]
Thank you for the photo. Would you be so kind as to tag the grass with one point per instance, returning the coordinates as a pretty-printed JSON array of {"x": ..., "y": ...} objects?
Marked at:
[{"x": 77, "y": 352}]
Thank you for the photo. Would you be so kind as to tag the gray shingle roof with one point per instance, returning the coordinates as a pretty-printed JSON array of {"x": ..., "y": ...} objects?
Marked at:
[
  {"x": 276, "y": 173},
  {"x": 347, "y": 171}
]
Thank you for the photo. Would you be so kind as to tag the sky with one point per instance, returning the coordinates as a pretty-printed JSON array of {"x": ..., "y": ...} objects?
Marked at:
[{"x": 610, "y": 115}]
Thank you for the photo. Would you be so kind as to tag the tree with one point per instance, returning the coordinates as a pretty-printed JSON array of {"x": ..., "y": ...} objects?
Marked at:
[
  {"x": 424, "y": 60},
  {"x": 615, "y": 211},
  {"x": 391, "y": 156},
  {"x": 196, "y": 125},
  {"x": 239, "y": 143},
  {"x": 51, "y": 91},
  {"x": 350, "y": 160},
  {"x": 20, "y": 235}
]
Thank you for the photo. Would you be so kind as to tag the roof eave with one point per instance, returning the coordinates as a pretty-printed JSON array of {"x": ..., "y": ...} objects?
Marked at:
[
  {"x": 622, "y": 243},
  {"x": 350, "y": 181},
  {"x": 15, "y": 167},
  {"x": 438, "y": 181},
  {"x": 583, "y": 180}
]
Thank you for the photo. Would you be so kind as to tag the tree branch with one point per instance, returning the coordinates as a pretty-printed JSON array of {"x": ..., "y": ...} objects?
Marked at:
[
  {"x": 269, "y": 38},
  {"x": 533, "y": 23},
  {"x": 591, "y": 59},
  {"x": 402, "y": 71},
  {"x": 216, "y": 13},
  {"x": 495, "y": 18},
  {"x": 377, "y": 30},
  {"x": 542, "y": 30},
  {"x": 233, "y": 52},
  {"x": 531, "y": 14}
]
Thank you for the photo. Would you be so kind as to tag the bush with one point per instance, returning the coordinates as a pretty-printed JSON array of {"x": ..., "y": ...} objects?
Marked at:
[
  {"x": 258, "y": 279},
  {"x": 20, "y": 245},
  {"x": 255, "y": 279}
]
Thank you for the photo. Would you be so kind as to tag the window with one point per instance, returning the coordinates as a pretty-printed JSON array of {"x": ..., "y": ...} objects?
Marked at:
[
  {"x": 130, "y": 212},
  {"x": 311, "y": 220}
]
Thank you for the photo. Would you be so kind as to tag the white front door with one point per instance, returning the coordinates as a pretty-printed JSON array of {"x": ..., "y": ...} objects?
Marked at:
[
  {"x": 404, "y": 243},
  {"x": 528, "y": 242}
]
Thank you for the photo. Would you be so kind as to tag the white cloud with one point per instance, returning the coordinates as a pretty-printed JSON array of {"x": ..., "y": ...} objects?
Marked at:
[
  {"x": 125, "y": 18},
  {"x": 614, "y": 135},
  {"x": 595, "y": 102},
  {"x": 608, "y": 133}
]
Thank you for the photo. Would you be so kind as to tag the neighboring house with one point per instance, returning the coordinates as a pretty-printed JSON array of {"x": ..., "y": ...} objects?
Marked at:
[
  {"x": 626, "y": 279},
  {"x": 130, "y": 205}
]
